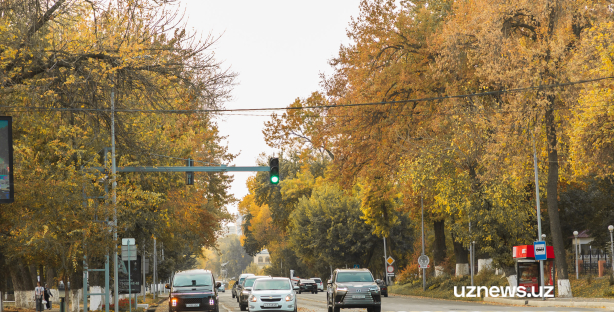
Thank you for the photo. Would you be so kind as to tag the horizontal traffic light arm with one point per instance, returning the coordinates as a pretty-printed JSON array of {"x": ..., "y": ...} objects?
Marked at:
[{"x": 187, "y": 169}]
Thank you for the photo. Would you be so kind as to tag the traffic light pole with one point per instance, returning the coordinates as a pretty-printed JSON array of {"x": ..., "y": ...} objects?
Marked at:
[{"x": 187, "y": 169}]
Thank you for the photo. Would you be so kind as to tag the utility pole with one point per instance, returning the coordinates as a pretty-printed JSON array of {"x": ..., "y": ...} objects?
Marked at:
[
  {"x": 385, "y": 263},
  {"x": 155, "y": 262},
  {"x": 423, "y": 270},
  {"x": 539, "y": 221},
  {"x": 114, "y": 185}
]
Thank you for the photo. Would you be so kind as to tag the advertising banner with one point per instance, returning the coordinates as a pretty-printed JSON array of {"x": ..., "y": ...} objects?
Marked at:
[{"x": 6, "y": 160}]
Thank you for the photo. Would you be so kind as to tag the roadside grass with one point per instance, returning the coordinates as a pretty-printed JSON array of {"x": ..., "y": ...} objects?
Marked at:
[
  {"x": 442, "y": 287},
  {"x": 593, "y": 287}
]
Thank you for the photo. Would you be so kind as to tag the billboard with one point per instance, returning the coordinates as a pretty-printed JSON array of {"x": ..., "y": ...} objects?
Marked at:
[
  {"x": 6, "y": 160},
  {"x": 135, "y": 277}
]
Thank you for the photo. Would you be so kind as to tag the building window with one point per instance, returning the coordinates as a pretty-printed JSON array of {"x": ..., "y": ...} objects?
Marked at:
[
  {"x": 259, "y": 259},
  {"x": 267, "y": 260}
]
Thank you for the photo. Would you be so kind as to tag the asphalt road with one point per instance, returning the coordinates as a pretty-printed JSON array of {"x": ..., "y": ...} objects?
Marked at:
[{"x": 308, "y": 302}]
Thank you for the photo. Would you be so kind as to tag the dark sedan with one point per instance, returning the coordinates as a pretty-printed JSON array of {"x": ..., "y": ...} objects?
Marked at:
[
  {"x": 383, "y": 287},
  {"x": 307, "y": 285}
]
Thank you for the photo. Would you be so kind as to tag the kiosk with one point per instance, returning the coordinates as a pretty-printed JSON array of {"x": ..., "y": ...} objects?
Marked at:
[{"x": 527, "y": 268}]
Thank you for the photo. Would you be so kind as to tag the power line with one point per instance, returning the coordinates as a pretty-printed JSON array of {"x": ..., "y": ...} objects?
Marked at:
[{"x": 191, "y": 111}]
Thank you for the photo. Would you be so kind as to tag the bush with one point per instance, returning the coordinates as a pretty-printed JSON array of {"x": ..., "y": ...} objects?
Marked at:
[
  {"x": 612, "y": 279},
  {"x": 124, "y": 305},
  {"x": 589, "y": 279}
]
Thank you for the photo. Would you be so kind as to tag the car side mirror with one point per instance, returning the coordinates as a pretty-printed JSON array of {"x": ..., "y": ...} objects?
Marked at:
[
  {"x": 378, "y": 281},
  {"x": 218, "y": 284},
  {"x": 167, "y": 286},
  {"x": 296, "y": 287}
]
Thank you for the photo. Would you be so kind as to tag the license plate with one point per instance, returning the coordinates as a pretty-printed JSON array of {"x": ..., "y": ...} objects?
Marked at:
[
  {"x": 358, "y": 296},
  {"x": 270, "y": 305},
  {"x": 192, "y": 305}
]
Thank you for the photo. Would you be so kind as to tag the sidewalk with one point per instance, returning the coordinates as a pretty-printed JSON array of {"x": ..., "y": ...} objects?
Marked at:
[{"x": 556, "y": 302}]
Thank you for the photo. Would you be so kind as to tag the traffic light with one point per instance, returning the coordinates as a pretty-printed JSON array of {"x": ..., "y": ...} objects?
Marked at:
[
  {"x": 190, "y": 174},
  {"x": 274, "y": 170}
]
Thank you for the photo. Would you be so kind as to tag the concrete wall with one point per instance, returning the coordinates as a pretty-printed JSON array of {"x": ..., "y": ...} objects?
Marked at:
[{"x": 25, "y": 298}]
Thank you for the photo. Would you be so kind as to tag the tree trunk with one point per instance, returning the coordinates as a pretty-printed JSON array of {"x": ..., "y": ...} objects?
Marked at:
[
  {"x": 439, "y": 254},
  {"x": 552, "y": 195},
  {"x": 461, "y": 253}
]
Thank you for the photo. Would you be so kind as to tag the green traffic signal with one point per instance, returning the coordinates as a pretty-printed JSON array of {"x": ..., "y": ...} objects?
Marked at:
[{"x": 274, "y": 170}]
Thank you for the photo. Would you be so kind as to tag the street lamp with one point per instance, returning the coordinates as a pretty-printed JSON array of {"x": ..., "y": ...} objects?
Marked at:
[
  {"x": 575, "y": 234},
  {"x": 611, "y": 228}
]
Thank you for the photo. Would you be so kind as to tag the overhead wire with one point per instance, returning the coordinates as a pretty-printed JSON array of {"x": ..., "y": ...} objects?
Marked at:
[{"x": 230, "y": 110}]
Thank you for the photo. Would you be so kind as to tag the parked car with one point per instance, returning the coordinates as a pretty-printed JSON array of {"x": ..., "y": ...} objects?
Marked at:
[
  {"x": 236, "y": 288},
  {"x": 307, "y": 285},
  {"x": 222, "y": 288},
  {"x": 193, "y": 290},
  {"x": 318, "y": 283},
  {"x": 382, "y": 286},
  {"x": 353, "y": 288},
  {"x": 246, "y": 290},
  {"x": 273, "y": 293}
]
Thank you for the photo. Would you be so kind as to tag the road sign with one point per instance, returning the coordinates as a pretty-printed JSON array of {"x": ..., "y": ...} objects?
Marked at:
[
  {"x": 540, "y": 250},
  {"x": 128, "y": 241},
  {"x": 390, "y": 261},
  {"x": 390, "y": 269},
  {"x": 423, "y": 261},
  {"x": 356, "y": 266},
  {"x": 129, "y": 256}
]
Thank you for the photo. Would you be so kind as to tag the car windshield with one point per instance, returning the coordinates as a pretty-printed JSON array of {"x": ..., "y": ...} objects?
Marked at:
[
  {"x": 307, "y": 281},
  {"x": 196, "y": 279},
  {"x": 317, "y": 280},
  {"x": 349, "y": 277},
  {"x": 249, "y": 282},
  {"x": 272, "y": 285}
]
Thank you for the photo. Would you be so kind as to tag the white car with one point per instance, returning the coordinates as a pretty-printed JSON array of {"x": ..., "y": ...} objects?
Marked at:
[
  {"x": 319, "y": 283},
  {"x": 273, "y": 293}
]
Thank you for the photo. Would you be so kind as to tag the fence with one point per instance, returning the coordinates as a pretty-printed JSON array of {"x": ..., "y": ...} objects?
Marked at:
[{"x": 589, "y": 261}]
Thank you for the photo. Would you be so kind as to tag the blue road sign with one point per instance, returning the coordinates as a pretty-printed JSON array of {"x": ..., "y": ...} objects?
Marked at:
[
  {"x": 540, "y": 250},
  {"x": 356, "y": 266}
]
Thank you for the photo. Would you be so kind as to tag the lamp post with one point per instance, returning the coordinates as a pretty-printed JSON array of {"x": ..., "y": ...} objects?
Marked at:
[
  {"x": 611, "y": 228},
  {"x": 575, "y": 234}
]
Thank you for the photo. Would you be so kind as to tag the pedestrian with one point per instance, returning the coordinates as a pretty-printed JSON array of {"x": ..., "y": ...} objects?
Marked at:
[
  {"x": 38, "y": 296},
  {"x": 47, "y": 295}
]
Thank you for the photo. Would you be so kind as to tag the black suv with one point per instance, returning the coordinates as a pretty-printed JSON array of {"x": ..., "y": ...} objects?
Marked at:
[
  {"x": 307, "y": 285},
  {"x": 353, "y": 288},
  {"x": 193, "y": 290}
]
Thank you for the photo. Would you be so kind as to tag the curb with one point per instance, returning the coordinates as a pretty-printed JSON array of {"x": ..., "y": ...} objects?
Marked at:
[{"x": 551, "y": 303}]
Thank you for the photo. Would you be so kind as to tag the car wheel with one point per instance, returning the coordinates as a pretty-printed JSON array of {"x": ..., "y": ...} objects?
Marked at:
[
  {"x": 369, "y": 309},
  {"x": 316, "y": 292},
  {"x": 386, "y": 295},
  {"x": 243, "y": 308},
  {"x": 233, "y": 295},
  {"x": 377, "y": 309},
  {"x": 299, "y": 292}
]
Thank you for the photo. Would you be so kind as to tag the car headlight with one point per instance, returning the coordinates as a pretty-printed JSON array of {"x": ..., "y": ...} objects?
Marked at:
[
  {"x": 342, "y": 289},
  {"x": 376, "y": 288},
  {"x": 245, "y": 292},
  {"x": 174, "y": 302},
  {"x": 253, "y": 298},
  {"x": 289, "y": 297}
]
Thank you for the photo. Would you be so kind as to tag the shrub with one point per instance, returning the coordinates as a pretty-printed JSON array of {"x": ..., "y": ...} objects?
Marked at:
[
  {"x": 589, "y": 279},
  {"x": 612, "y": 279}
]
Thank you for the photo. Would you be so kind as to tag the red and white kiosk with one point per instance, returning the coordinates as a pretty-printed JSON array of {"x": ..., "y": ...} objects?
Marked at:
[{"x": 527, "y": 268}]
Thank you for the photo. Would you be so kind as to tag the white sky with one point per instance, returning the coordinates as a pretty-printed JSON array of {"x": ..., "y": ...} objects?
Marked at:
[{"x": 278, "y": 48}]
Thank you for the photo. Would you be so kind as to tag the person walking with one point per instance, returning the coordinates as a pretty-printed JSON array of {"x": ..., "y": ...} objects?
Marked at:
[
  {"x": 46, "y": 296},
  {"x": 38, "y": 296}
]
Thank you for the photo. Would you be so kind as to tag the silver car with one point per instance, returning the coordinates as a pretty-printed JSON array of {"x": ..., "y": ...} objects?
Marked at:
[{"x": 273, "y": 293}]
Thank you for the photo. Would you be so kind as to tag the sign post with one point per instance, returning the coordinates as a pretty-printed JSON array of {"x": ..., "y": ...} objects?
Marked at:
[
  {"x": 129, "y": 242},
  {"x": 539, "y": 249}
]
